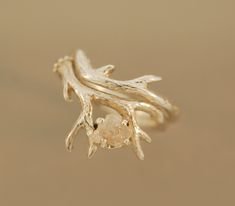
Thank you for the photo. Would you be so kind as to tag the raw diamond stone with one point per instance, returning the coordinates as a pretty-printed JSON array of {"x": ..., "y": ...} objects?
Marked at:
[{"x": 112, "y": 132}]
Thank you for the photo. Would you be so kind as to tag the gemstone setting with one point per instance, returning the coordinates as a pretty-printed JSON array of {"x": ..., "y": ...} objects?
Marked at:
[{"x": 111, "y": 132}]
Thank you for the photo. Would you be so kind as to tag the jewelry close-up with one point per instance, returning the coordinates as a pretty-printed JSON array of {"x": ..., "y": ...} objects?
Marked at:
[{"x": 130, "y": 105}]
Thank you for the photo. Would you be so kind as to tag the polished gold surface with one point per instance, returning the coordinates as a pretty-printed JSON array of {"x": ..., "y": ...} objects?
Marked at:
[
  {"x": 191, "y": 44},
  {"x": 88, "y": 84}
]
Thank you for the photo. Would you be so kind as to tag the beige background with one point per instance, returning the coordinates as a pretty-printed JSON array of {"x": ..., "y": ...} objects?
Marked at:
[{"x": 190, "y": 43}]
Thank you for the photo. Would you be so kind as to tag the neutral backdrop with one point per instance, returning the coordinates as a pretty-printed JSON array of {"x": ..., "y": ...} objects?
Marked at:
[{"x": 190, "y": 43}]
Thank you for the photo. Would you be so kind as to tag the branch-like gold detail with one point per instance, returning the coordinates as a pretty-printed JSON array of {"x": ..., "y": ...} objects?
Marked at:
[{"x": 125, "y": 97}]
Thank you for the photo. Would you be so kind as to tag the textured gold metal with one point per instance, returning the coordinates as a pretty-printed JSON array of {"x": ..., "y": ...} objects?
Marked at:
[{"x": 127, "y": 98}]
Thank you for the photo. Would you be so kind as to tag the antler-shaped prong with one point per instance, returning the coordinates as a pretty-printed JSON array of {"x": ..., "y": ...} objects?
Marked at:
[
  {"x": 105, "y": 70},
  {"x": 137, "y": 87},
  {"x": 64, "y": 68}
]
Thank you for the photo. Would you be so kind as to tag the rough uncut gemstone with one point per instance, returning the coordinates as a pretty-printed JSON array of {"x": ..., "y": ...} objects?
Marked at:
[{"x": 112, "y": 131}]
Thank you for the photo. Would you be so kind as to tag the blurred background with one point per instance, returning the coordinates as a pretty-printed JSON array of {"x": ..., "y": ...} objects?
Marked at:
[{"x": 190, "y": 43}]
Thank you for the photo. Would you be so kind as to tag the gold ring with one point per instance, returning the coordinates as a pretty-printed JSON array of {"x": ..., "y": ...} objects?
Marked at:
[{"x": 130, "y": 103}]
